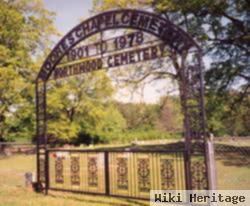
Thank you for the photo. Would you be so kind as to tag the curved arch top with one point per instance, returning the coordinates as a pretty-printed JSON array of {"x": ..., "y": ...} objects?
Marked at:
[
  {"x": 191, "y": 85},
  {"x": 148, "y": 22}
]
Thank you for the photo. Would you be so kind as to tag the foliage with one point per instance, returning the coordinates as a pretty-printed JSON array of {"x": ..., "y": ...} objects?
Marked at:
[
  {"x": 102, "y": 5},
  {"x": 222, "y": 28},
  {"x": 84, "y": 104},
  {"x": 226, "y": 119},
  {"x": 81, "y": 109},
  {"x": 139, "y": 115},
  {"x": 24, "y": 36},
  {"x": 141, "y": 134}
]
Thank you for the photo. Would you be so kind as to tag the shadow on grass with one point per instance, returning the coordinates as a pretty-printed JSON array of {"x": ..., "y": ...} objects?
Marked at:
[{"x": 105, "y": 200}]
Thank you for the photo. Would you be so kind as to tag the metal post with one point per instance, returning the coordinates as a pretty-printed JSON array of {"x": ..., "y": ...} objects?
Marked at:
[
  {"x": 211, "y": 167},
  {"x": 187, "y": 159},
  {"x": 106, "y": 168},
  {"x": 187, "y": 133},
  {"x": 41, "y": 130},
  {"x": 37, "y": 137},
  {"x": 46, "y": 171}
]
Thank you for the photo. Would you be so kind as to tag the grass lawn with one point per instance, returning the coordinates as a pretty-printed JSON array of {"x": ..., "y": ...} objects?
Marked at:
[
  {"x": 231, "y": 177},
  {"x": 233, "y": 166},
  {"x": 233, "y": 172},
  {"x": 14, "y": 193}
]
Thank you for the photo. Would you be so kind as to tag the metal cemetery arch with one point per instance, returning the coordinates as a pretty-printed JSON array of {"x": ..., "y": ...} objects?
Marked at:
[{"x": 191, "y": 85}]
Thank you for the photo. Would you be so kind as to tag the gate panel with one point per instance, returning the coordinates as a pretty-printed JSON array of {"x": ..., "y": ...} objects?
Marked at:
[
  {"x": 77, "y": 171},
  {"x": 134, "y": 173},
  {"x": 130, "y": 174},
  {"x": 120, "y": 177}
]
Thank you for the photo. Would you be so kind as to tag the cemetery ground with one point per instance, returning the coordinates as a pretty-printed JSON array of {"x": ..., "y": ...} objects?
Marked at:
[{"x": 232, "y": 161}]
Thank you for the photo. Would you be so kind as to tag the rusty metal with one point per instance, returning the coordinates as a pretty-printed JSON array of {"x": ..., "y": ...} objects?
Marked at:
[{"x": 191, "y": 87}]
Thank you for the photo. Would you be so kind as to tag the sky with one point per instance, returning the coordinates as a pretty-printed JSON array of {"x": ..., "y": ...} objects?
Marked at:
[{"x": 68, "y": 14}]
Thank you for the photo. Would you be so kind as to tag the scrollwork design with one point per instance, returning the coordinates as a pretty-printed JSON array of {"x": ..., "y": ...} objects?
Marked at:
[
  {"x": 167, "y": 174},
  {"x": 59, "y": 170},
  {"x": 122, "y": 173},
  {"x": 143, "y": 171},
  {"x": 75, "y": 170},
  {"x": 92, "y": 172},
  {"x": 199, "y": 177}
]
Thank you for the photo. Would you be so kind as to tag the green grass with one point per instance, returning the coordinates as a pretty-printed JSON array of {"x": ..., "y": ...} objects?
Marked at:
[
  {"x": 14, "y": 193},
  {"x": 232, "y": 177},
  {"x": 233, "y": 172},
  {"x": 233, "y": 164}
]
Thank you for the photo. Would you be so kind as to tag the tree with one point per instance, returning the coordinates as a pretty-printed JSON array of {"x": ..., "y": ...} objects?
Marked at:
[
  {"x": 81, "y": 107},
  {"x": 170, "y": 67},
  {"x": 225, "y": 120},
  {"x": 26, "y": 28},
  {"x": 139, "y": 115},
  {"x": 222, "y": 28},
  {"x": 102, "y": 5},
  {"x": 170, "y": 118}
]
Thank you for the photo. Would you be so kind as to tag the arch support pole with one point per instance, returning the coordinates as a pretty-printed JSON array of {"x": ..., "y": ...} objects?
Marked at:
[{"x": 41, "y": 137}]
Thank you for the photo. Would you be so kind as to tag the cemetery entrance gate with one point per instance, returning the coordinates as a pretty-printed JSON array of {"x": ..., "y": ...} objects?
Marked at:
[{"x": 130, "y": 173}]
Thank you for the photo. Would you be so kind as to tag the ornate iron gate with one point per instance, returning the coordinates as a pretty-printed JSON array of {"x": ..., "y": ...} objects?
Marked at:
[
  {"x": 115, "y": 173},
  {"x": 190, "y": 79}
]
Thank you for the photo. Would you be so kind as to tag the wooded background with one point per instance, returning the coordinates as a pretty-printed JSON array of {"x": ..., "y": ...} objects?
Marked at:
[{"x": 84, "y": 110}]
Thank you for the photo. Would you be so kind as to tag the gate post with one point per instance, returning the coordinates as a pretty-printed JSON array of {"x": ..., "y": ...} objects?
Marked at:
[
  {"x": 210, "y": 161},
  {"x": 106, "y": 170},
  {"x": 46, "y": 171},
  {"x": 41, "y": 137}
]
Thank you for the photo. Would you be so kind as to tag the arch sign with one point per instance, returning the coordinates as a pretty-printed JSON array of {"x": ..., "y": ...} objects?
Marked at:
[
  {"x": 101, "y": 55},
  {"x": 71, "y": 57},
  {"x": 132, "y": 19}
]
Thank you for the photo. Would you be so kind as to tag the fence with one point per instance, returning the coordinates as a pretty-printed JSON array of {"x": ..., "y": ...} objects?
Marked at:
[
  {"x": 9, "y": 148},
  {"x": 232, "y": 155},
  {"x": 114, "y": 173}
]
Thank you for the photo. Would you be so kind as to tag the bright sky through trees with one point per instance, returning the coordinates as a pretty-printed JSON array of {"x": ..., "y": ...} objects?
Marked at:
[{"x": 69, "y": 14}]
